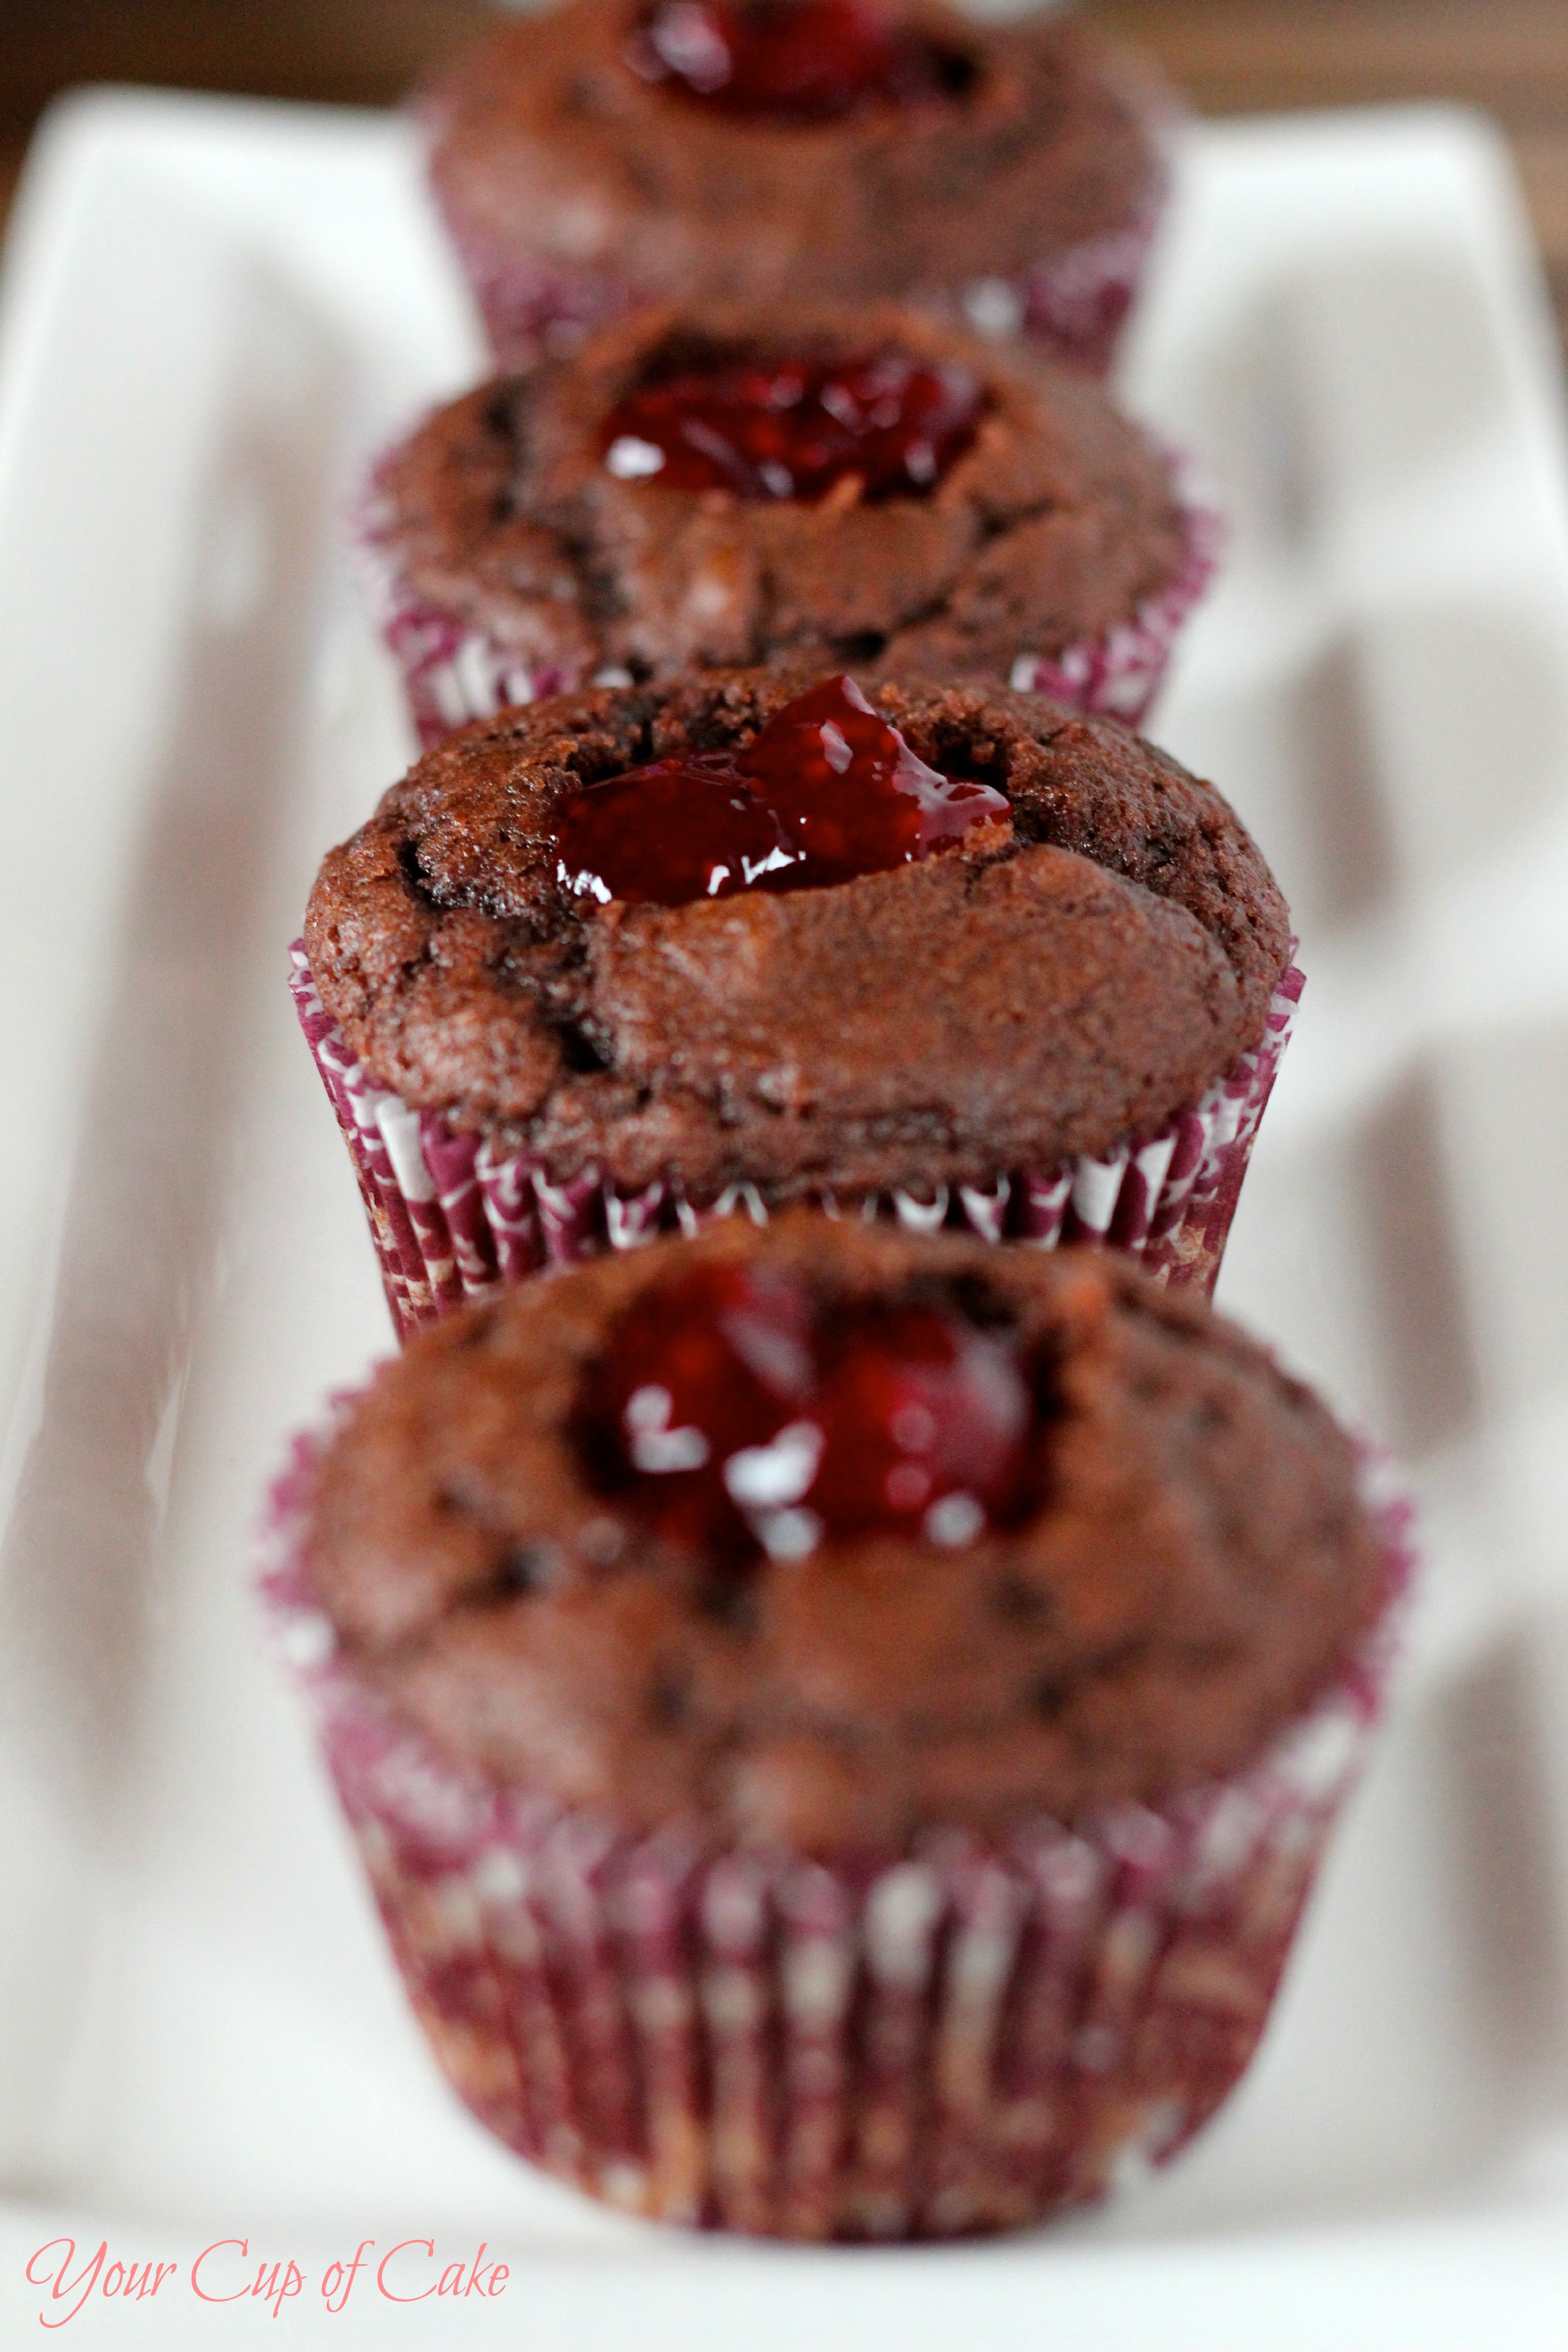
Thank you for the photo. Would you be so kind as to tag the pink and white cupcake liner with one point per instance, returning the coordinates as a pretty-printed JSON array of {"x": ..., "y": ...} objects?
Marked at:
[
  {"x": 455, "y": 1217},
  {"x": 962, "y": 2036},
  {"x": 1118, "y": 676},
  {"x": 1075, "y": 301},
  {"x": 454, "y": 672}
]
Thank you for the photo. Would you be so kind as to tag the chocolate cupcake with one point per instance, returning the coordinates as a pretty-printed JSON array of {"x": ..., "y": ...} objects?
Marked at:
[
  {"x": 607, "y": 155},
  {"x": 632, "y": 958},
  {"x": 837, "y": 487},
  {"x": 840, "y": 1725}
]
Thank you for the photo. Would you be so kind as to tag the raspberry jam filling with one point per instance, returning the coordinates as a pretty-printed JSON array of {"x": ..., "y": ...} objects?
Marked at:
[
  {"x": 791, "y": 60},
  {"x": 789, "y": 427},
  {"x": 732, "y": 1415},
  {"x": 825, "y": 791}
]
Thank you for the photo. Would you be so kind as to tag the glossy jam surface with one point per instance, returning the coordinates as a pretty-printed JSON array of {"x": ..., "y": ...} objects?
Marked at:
[
  {"x": 772, "y": 428},
  {"x": 730, "y": 1414},
  {"x": 828, "y": 789},
  {"x": 791, "y": 60}
]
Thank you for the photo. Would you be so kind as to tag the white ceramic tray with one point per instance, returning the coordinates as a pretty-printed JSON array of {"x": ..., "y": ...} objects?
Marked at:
[{"x": 213, "y": 312}]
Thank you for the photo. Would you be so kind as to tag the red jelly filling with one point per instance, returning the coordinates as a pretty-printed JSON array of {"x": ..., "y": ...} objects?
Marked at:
[
  {"x": 733, "y": 1417},
  {"x": 795, "y": 61},
  {"x": 791, "y": 428},
  {"x": 825, "y": 791}
]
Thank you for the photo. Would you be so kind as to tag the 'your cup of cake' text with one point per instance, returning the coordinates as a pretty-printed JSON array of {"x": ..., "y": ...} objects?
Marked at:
[{"x": 230, "y": 2271}]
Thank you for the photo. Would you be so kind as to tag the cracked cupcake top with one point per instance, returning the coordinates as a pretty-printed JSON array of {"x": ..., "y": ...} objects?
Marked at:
[
  {"x": 569, "y": 141},
  {"x": 732, "y": 486},
  {"x": 824, "y": 1535},
  {"x": 1076, "y": 940}
]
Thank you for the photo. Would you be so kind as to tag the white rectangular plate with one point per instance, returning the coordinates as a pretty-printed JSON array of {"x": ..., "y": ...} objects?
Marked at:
[{"x": 213, "y": 312}]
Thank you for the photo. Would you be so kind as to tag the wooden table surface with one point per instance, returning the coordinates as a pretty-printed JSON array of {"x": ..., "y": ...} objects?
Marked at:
[{"x": 1230, "y": 55}]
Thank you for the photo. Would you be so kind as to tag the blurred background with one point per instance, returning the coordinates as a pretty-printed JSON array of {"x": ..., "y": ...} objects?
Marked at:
[{"x": 1230, "y": 55}]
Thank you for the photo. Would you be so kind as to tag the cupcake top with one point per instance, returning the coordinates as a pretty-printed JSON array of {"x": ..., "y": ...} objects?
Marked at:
[
  {"x": 746, "y": 928},
  {"x": 732, "y": 485},
  {"x": 837, "y": 149},
  {"x": 824, "y": 1535}
]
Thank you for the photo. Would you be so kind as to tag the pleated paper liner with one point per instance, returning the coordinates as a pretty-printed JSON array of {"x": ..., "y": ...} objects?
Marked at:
[
  {"x": 455, "y": 1217},
  {"x": 955, "y": 2038}
]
